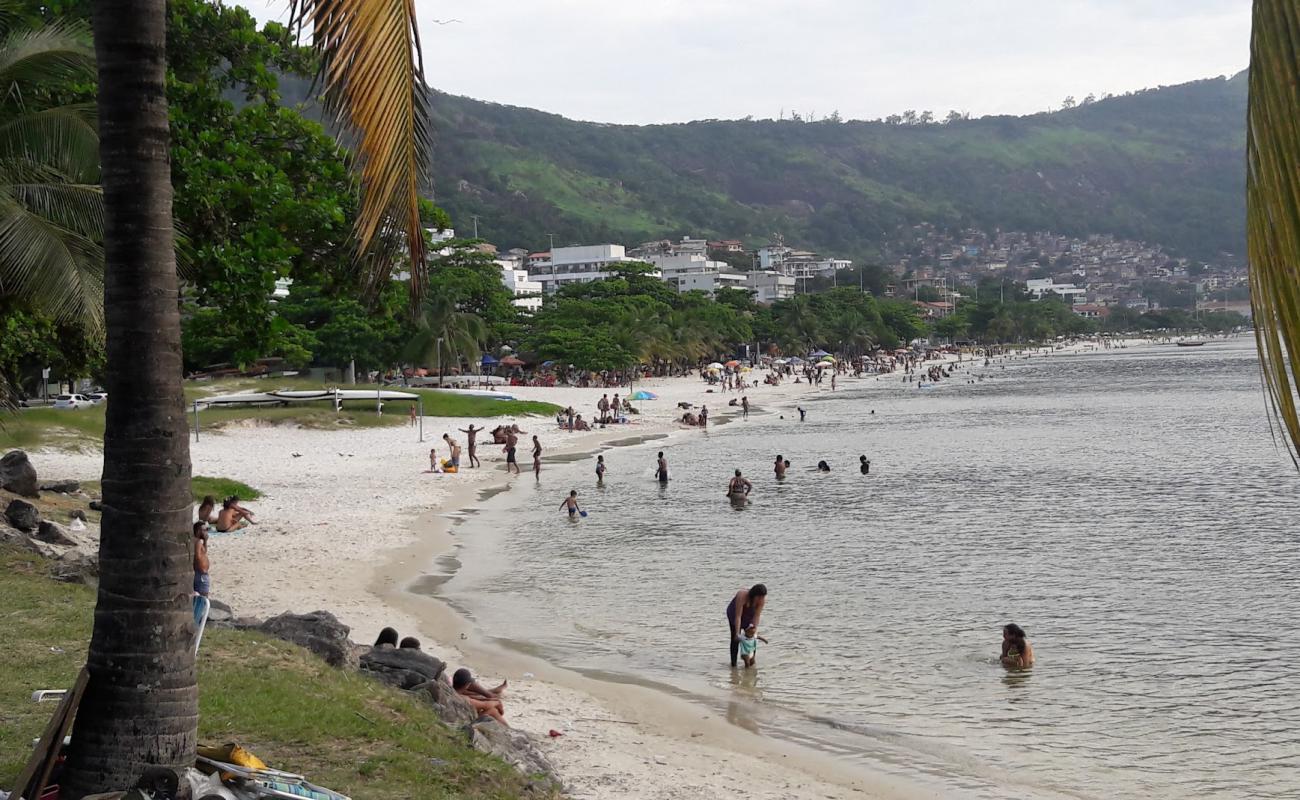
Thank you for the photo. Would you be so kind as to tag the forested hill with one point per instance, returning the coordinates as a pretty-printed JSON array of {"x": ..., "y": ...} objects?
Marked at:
[{"x": 1163, "y": 165}]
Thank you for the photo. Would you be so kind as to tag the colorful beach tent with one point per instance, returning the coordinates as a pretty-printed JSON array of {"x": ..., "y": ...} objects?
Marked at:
[
  {"x": 488, "y": 360},
  {"x": 644, "y": 395}
]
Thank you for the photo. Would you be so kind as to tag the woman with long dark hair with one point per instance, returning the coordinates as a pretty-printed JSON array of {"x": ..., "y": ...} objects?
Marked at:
[{"x": 744, "y": 610}]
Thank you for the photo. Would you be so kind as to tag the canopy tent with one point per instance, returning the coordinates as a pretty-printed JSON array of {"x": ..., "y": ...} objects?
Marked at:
[
  {"x": 488, "y": 360},
  {"x": 796, "y": 360},
  {"x": 820, "y": 353}
]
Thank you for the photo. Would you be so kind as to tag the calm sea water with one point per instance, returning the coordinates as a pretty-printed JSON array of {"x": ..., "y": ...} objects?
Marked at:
[{"x": 1128, "y": 509}]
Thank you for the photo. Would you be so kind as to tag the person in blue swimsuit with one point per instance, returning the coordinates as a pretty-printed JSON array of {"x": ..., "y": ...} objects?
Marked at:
[
  {"x": 744, "y": 610},
  {"x": 571, "y": 503}
]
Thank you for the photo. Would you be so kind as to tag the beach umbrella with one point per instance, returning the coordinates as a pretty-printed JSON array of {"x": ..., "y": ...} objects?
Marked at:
[
  {"x": 715, "y": 365},
  {"x": 779, "y": 361},
  {"x": 644, "y": 395},
  {"x": 488, "y": 360},
  {"x": 828, "y": 358},
  {"x": 733, "y": 363},
  {"x": 512, "y": 361},
  {"x": 796, "y": 360},
  {"x": 824, "y": 364},
  {"x": 820, "y": 353}
]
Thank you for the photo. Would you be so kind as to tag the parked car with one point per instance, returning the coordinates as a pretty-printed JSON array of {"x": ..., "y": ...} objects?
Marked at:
[
  {"x": 97, "y": 397},
  {"x": 72, "y": 401}
]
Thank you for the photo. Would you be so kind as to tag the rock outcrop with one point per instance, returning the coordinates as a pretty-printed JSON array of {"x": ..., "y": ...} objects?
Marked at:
[
  {"x": 23, "y": 515},
  {"x": 404, "y": 668},
  {"x": 319, "y": 631},
  {"x": 54, "y": 533},
  {"x": 517, "y": 749},
  {"x": 17, "y": 474},
  {"x": 61, "y": 487}
]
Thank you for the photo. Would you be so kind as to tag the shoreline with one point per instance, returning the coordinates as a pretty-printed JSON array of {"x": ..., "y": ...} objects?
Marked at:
[{"x": 358, "y": 523}]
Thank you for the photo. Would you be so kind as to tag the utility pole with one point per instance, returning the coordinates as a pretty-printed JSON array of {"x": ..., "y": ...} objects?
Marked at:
[
  {"x": 475, "y": 218},
  {"x": 551, "y": 236}
]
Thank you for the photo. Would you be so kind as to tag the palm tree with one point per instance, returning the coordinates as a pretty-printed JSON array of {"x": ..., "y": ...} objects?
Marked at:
[
  {"x": 802, "y": 327},
  {"x": 1273, "y": 206},
  {"x": 140, "y": 707},
  {"x": 51, "y": 208},
  {"x": 444, "y": 334}
]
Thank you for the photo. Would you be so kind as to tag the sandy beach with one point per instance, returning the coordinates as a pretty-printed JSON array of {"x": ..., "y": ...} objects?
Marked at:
[{"x": 349, "y": 518}]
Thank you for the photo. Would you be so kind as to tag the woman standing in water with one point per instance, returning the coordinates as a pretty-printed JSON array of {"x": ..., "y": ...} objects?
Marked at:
[
  {"x": 745, "y": 609},
  {"x": 1017, "y": 653}
]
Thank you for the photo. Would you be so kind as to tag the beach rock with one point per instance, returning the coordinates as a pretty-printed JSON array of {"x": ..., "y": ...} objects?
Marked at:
[
  {"x": 96, "y": 505},
  {"x": 318, "y": 631},
  {"x": 77, "y": 566},
  {"x": 23, "y": 515},
  {"x": 404, "y": 668},
  {"x": 62, "y": 487},
  {"x": 45, "y": 550},
  {"x": 17, "y": 474},
  {"x": 514, "y": 747},
  {"x": 54, "y": 533},
  {"x": 219, "y": 613},
  {"x": 77, "y": 513},
  {"x": 10, "y": 535},
  {"x": 450, "y": 707}
]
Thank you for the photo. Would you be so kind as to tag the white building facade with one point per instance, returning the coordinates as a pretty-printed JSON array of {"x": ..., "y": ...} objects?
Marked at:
[
  {"x": 1068, "y": 292},
  {"x": 769, "y": 286},
  {"x": 527, "y": 292},
  {"x": 576, "y": 265}
]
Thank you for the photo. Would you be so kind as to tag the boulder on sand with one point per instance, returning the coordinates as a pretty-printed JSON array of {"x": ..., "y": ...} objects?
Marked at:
[
  {"x": 319, "y": 632},
  {"x": 23, "y": 515},
  {"x": 62, "y": 487},
  {"x": 17, "y": 474},
  {"x": 54, "y": 533},
  {"x": 514, "y": 747},
  {"x": 405, "y": 668}
]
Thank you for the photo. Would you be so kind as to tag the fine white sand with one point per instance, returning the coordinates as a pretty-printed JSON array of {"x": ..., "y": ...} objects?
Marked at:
[{"x": 346, "y": 523}]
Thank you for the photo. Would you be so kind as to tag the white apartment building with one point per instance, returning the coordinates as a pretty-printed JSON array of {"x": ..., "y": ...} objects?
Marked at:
[
  {"x": 687, "y": 272},
  {"x": 1068, "y": 292},
  {"x": 527, "y": 292},
  {"x": 582, "y": 264},
  {"x": 769, "y": 286},
  {"x": 799, "y": 264}
]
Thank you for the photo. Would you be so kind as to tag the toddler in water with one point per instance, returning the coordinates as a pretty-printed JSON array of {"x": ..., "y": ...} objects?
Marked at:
[{"x": 749, "y": 645}]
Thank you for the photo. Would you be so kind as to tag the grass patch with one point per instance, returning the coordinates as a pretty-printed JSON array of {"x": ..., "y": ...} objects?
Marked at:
[
  {"x": 220, "y": 488},
  {"x": 297, "y": 713},
  {"x": 33, "y": 428}
]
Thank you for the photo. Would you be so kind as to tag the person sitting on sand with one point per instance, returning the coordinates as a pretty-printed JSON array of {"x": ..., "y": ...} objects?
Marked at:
[
  {"x": 484, "y": 702},
  {"x": 202, "y": 581},
  {"x": 690, "y": 419},
  {"x": 387, "y": 639},
  {"x": 1017, "y": 653},
  {"x": 749, "y": 645},
  {"x": 580, "y": 424},
  {"x": 206, "y": 508},
  {"x": 232, "y": 517},
  {"x": 571, "y": 503},
  {"x": 739, "y": 487}
]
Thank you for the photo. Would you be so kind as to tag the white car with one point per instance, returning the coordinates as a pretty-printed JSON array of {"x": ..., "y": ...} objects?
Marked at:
[
  {"x": 97, "y": 397},
  {"x": 72, "y": 401}
]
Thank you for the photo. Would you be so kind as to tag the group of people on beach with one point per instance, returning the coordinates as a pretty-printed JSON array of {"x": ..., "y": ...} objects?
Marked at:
[{"x": 487, "y": 702}]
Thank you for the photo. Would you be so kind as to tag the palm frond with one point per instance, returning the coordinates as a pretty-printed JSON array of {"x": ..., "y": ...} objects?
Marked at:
[
  {"x": 56, "y": 268},
  {"x": 1273, "y": 207},
  {"x": 49, "y": 54},
  {"x": 64, "y": 138},
  {"x": 373, "y": 75}
]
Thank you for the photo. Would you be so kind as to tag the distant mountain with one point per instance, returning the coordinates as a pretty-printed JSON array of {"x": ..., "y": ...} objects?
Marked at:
[{"x": 1163, "y": 165}]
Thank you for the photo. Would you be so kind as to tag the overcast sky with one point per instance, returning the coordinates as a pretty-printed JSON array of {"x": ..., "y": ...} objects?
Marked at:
[{"x": 642, "y": 61}]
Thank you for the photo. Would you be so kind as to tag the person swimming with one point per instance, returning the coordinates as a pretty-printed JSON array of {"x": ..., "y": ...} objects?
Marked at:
[
  {"x": 822, "y": 466},
  {"x": 864, "y": 466},
  {"x": 1017, "y": 653},
  {"x": 779, "y": 467}
]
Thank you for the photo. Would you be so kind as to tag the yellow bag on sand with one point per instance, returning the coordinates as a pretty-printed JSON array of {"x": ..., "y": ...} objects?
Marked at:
[{"x": 231, "y": 753}]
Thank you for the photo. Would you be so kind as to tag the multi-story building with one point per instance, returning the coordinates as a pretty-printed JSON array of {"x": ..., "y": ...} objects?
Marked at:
[
  {"x": 527, "y": 292},
  {"x": 769, "y": 286},
  {"x": 583, "y": 264},
  {"x": 1066, "y": 291}
]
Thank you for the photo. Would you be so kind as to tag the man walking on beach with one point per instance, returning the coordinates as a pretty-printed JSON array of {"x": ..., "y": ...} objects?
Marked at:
[
  {"x": 469, "y": 441},
  {"x": 512, "y": 441},
  {"x": 662, "y": 472},
  {"x": 603, "y": 407},
  {"x": 537, "y": 458}
]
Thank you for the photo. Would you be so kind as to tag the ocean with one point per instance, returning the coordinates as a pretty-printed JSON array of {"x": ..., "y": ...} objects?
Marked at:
[{"x": 1129, "y": 509}]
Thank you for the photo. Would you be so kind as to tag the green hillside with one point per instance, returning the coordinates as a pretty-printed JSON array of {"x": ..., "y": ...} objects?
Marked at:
[{"x": 1163, "y": 165}]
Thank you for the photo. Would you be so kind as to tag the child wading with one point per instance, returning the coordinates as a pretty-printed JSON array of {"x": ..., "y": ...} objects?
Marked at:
[{"x": 749, "y": 645}]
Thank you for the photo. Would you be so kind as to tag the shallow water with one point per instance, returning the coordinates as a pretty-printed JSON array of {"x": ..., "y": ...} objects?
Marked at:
[{"x": 1128, "y": 509}]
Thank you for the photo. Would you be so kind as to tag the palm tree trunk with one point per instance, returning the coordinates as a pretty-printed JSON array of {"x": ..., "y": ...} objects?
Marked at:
[{"x": 141, "y": 705}]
